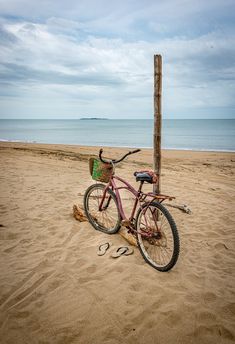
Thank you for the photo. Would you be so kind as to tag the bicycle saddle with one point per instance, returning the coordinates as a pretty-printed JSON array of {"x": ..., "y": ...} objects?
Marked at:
[{"x": 146, "y": 176}]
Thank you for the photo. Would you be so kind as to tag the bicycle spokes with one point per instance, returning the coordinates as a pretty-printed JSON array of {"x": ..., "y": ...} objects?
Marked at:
[
  {"x": 101, "y": 208},
  {"x": 155, "y": 236}
]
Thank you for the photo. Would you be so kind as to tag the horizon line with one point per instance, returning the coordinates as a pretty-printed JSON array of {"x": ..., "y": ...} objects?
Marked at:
[{"x": 107, "y": 118}]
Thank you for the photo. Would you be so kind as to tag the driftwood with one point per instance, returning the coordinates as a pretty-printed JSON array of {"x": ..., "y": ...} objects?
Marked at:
[
  {"x": 183, "y": 207},
  {"x": 128, "y": 236},
  {"x": 79, "y": 216}
]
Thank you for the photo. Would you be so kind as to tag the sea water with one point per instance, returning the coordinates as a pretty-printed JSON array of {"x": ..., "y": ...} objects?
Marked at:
[{"x": 193, "y": 134}]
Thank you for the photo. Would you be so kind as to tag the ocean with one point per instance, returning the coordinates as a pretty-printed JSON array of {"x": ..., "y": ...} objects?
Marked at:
[{"x": 183, "y": 134}]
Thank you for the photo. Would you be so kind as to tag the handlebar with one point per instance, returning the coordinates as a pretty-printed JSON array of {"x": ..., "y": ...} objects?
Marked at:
[{"x": 116, "y": 161}]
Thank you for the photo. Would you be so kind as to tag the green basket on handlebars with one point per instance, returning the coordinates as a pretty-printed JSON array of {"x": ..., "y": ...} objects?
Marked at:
[{"x": 100, "y": 171}]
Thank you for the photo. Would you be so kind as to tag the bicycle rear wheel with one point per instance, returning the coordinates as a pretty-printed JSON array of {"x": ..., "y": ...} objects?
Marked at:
[
  {"x": 107, "y": 219},
  {"x": 157, "y": 236}
]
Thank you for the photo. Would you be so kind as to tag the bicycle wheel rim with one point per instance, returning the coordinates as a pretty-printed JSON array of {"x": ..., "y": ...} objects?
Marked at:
[
  {"x": 157, "y": 237},
  {"x": 108, "y": 219}
]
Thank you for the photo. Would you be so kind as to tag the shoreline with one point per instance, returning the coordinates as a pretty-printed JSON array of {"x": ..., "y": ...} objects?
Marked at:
[{"x": 59, "y": 145}]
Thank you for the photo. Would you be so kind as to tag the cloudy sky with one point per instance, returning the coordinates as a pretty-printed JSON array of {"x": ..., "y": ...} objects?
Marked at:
[{"x": 81, "y": 58}]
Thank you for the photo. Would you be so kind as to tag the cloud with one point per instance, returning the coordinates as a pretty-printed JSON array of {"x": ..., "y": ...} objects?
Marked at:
[
  {"x": 11, "y": 73},
  {"x": 6, "y": 38},
  {"x": 128, "y": 19},
  {"x": 104, "y": 58}
]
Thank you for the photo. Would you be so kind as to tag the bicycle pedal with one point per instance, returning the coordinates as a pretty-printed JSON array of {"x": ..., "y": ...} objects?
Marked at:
[{"x": 126, "y": 223}]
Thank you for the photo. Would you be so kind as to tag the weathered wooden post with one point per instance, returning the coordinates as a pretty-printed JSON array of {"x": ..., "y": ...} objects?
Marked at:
[{"x": 157, "y": 120}]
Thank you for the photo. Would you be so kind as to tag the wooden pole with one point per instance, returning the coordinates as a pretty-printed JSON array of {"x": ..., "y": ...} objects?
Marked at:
[{"x": 157, "y": 120}]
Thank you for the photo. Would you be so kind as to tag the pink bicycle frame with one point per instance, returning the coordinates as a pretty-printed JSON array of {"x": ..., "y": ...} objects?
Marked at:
[
  {"x": 116, "y": 189},
  {"x": 139, "y": 196}
]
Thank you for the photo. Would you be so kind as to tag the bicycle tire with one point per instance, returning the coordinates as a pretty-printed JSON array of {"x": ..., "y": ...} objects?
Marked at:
[
  {"x": 108, "y": 220},
  {"x": 160, "y": 241}
]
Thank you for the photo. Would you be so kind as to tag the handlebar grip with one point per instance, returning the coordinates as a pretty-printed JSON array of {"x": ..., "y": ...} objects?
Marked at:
[
  {"x": 100, "y": 155},
  {"x": 135, "y": 151},
  {"x": 116, "y": 161}
]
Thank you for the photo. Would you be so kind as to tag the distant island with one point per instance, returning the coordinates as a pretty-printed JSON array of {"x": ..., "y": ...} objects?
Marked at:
[{"x": 93, "y": 119}]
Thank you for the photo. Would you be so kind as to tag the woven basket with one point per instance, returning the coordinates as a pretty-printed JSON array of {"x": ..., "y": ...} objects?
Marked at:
[{"x": 100, "y": 171}]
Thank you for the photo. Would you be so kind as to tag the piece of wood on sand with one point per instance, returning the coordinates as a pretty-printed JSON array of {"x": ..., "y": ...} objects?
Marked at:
[
  {"x": 78, "y": 214},
  {"x": 81, "y": 217}
]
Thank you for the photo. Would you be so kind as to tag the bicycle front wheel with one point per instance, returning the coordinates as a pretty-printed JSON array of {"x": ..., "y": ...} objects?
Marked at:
[
  {"x": 102, "y": 210},
  {"x": 157, "y": 236}
]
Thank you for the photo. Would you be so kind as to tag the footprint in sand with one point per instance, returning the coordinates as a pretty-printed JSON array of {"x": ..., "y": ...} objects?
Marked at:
[
  {"x": 91, "y": 269},
  {"x": 212, "y": 330},
  {"x": 209, "y": 297},
  {"x": 172, "y": 318},
  {"x": 221, "y": 246}
]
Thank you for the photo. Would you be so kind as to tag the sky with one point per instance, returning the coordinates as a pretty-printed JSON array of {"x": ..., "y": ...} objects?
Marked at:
[{"x": 86, "y": 58}]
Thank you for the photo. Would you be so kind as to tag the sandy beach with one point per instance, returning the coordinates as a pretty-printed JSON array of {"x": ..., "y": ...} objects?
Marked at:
[{"x": 55, "y": 289}]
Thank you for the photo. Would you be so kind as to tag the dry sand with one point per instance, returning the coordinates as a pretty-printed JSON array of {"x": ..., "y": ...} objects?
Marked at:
[{"x": 55, "y": 289}]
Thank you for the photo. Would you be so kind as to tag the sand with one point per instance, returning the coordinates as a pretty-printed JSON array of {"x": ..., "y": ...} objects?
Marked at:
[{"x": 55, "y": 289}]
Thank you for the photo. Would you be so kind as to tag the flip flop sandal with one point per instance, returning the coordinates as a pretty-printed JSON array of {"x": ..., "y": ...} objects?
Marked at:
[
  {"x": 122, "y": 251},
  {"x": 103, "y": 248}
]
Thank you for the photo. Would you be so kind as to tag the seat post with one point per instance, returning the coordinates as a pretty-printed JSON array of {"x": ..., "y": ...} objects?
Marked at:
[{"x": 140, "y": 187}]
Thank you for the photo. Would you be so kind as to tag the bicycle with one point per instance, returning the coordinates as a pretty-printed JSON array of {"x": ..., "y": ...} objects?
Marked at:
[{"x": 152, "y": 224}]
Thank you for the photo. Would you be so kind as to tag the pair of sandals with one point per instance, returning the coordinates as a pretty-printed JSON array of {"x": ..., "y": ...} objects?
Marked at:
[{"x": 121, "y": 251}]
